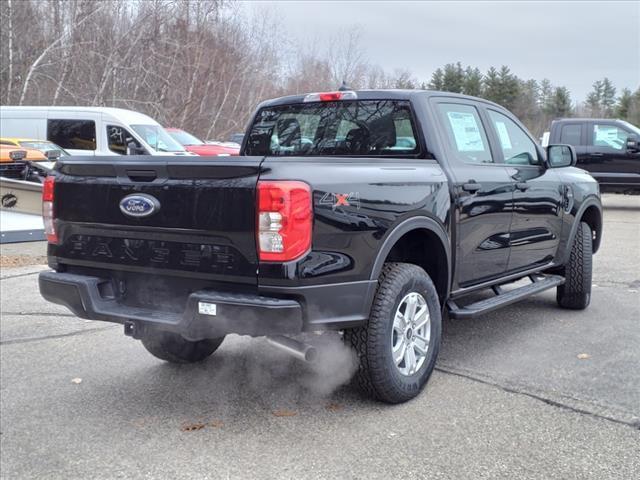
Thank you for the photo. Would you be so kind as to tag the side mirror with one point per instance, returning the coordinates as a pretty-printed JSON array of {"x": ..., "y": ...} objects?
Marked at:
[
  {"x": 53, "y": 155},
  {"x": 632, "y": 143},
  {"x": 134, "y": 149},
  {"x": 561, "y": 156}
]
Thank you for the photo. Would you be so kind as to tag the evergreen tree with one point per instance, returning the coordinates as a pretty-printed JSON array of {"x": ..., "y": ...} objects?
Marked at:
[
  {"x": 634, "y": 109},
  {"x": 453, "y": 78},
  {"x": 501, "y": 87},
  {"x": 491, "y": 89},
  {"x": 472, "y": 83},
  {"x": 546, "y": 92},
  {"x": 608, "y": 97},
  {"x": 509, "y": 88},
  {"x": 535, "y": 103},
  {"x": 526, "y": 106},
  {"x": 436, "y": 80},
  {"x": 594, "y": 99},
  {"x": 561, "y": 102},
  {"x": 624, "y": 104}
]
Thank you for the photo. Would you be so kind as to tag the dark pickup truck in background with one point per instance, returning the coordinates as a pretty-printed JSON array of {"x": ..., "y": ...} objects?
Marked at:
[
  {"x": 368, "y": 212},
  {"x": 608, "y": 149}
]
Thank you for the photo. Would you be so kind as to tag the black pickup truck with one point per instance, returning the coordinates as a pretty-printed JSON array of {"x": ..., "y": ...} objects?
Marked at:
[
  {"x": 369, "y": 212},
  {"x": 608, "y": 149}
]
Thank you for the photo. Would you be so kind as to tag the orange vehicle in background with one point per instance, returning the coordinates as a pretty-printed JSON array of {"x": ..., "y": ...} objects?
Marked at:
[{"x": 15, "y": 161}]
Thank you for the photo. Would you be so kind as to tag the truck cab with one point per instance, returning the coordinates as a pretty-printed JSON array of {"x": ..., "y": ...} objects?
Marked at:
[{"x": 608, "y": 149}]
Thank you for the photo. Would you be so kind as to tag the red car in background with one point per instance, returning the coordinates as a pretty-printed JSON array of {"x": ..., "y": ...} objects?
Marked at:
[{"x": 193, "y": 144}]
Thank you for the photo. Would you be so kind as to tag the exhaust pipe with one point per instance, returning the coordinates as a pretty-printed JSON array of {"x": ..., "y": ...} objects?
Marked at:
[{"x": 303, "y": 351}]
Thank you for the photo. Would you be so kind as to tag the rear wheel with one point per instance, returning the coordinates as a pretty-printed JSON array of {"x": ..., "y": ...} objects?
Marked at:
[
  {"x": 397, "y": 349},
  {"x": 576, "y": 291},
  {"x": 173, "y": 348}
]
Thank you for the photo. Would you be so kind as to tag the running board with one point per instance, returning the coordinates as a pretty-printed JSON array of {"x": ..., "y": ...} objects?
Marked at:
[{"x": 538, "y": 284}]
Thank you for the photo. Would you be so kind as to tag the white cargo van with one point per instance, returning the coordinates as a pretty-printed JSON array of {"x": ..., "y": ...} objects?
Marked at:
[{"x": 90, "y": 130}]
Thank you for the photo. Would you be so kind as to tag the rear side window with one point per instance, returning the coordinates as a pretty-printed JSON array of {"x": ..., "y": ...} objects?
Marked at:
[
  {"x": 75, "y": 134},
  {"x": 465, "y": 133},
  {"x": 355, "y": 128},
  {"x": 570, "y": 134}
]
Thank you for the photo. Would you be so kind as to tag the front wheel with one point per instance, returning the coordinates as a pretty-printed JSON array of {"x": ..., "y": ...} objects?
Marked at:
[
  {"x": 576, "y": 291},
  {"x": 173, "y": 348},
  {"x": 398, "y": 346}
]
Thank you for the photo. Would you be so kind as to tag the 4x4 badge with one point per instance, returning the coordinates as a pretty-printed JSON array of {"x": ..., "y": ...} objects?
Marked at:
[{"x": 341, "y": 200}]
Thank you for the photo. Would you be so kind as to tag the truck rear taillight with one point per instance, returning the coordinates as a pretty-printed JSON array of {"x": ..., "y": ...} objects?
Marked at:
[
  {"x": 331, "y": 96},
  {"x": 285, "y": 220},
  {"x": 48, "y": 198}
]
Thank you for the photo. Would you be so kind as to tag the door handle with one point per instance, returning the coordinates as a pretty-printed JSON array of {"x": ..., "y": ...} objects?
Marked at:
[
  {"x": 471, "y": 186},
  {"x": 522, "y": 186},
  {"x": 596, "y": 154}
]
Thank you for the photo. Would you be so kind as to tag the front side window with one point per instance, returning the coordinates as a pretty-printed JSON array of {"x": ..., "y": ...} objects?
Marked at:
[
  {"x": 465, "y": 133},
  {"x": 157, "y": 138},
  {"x": 570, "y": 134},
  {"x": 517, "y": 147},
  {"x": 349, "y": 128},
  {"x": 75, "y": 134},
  {"x": 609, "y": 136},
  {"x": 120, "y": 140}
]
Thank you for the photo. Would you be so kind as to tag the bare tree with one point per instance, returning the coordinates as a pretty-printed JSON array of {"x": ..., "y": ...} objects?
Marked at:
[
  {"x": 45, "y": 52},
  {"x": 202, "y": 65}
]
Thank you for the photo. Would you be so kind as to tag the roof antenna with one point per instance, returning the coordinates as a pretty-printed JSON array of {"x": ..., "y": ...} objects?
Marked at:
[{"x": 344, "y": 87}]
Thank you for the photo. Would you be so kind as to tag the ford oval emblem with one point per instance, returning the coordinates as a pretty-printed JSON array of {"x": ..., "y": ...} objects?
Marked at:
[{"x": 139, "y": 205}]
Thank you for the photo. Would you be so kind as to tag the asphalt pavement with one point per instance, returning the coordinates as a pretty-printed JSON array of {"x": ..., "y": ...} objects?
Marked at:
[{"x": 530, "y": 391}]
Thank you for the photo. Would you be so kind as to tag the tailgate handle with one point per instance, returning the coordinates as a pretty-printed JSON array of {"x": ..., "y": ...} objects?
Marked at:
[{"x": 142, "y": 175}]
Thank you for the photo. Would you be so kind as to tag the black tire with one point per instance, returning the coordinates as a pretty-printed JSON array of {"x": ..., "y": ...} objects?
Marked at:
[
  {"x": 576, "y": 291},
  {"x": 377, "y": 373},
  {"x": 173, "y": 348}
]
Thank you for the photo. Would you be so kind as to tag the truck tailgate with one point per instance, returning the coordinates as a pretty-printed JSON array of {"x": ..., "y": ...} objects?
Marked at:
[{"x": 202, "y": 225}]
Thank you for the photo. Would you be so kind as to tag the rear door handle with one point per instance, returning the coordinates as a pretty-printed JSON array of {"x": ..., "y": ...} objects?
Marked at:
[
  {"x": 471, "y": 186},
  {"x": 596, "y": 154},
  {"x": 522, "y": 186}
]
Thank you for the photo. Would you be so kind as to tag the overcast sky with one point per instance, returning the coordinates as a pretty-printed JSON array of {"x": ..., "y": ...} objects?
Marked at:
[{"x": 571, "y": 43}]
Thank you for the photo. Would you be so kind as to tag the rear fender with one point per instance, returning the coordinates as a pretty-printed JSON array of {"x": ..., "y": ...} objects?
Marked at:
[{"x": 414, "y": 223}]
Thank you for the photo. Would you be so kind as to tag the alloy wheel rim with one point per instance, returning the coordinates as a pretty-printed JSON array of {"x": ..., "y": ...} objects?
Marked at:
[{"x": 411, "y": 334}]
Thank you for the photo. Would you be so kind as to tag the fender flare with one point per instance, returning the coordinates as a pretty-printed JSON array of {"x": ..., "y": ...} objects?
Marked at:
[
  {"x": 590, "y": 202},
  {"x": 413, "y": 223}
]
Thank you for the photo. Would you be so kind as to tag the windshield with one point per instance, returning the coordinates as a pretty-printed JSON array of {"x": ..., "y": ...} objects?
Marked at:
[
  {"x": 184, "y": 138},
  {"x": 157, "y": 138},
  {"x": 44, "y": 147},
  {"x": 353, "y": 128}
]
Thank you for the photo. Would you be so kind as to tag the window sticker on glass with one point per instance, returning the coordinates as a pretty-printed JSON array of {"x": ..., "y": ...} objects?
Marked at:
[
  {"x": 504, "y": 136},
  {"x": 466, "y": 132},
  {"x": 607, "y": 136}
]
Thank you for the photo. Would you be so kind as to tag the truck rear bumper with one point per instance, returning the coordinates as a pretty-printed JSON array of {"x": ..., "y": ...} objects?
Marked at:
[{"x": 212, "y": 314}]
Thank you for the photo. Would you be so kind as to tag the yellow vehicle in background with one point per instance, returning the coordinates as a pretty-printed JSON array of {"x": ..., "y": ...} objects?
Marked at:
[
  {"x": 26, "y": 163},
  {"x": 43, "y": 145}
]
